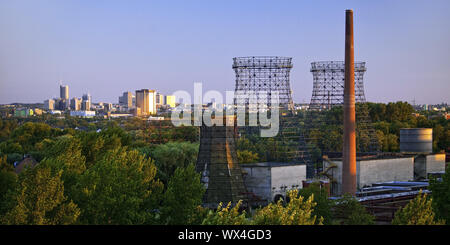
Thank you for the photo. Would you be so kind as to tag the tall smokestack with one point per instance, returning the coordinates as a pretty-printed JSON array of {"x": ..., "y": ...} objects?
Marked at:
[{"x": 349, "y": 151}]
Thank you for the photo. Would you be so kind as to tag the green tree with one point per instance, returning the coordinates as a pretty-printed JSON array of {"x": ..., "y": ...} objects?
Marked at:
[
  {"x": 120, "y": 188},
  {"x": 170, "y": 156},
  {"x": 183, "y": 195},
  {"x": 351, "y": 212},
  {"x": 323, "y": 203},
  {"x": 441, "y": 196},
  {"x": 296, "y": 212},
  {"x": 246, "y": 156},
  {"x": 40, "y": 200},
  {"x": 226, "y": 216},
  {"x": 8, "y": 183},
  {"x": 418, "y": 211}
]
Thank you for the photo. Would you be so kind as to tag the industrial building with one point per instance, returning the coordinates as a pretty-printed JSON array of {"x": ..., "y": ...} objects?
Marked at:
[
  {"x": 370, "y": 170},
  {"x": 269, "y": 181}
]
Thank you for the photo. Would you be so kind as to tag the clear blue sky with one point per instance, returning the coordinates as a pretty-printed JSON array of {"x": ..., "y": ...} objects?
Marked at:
[{"x": 107, "y": 47}]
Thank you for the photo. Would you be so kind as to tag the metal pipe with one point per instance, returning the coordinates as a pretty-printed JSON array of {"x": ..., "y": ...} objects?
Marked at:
[{"x": 349, "y": 146}]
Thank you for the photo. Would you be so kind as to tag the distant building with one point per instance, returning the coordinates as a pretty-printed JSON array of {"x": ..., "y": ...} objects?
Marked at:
[
  {"x": 49, "y": 104},
  {"x": 108, "y": 106},
  {"x": 55, "y": 112},
  {"x": 159, "y": 99},
  {"x": 37, "y": 111},
  {"x": 64, "y": 92},
  {"x": 87, "y": 97},
  {"x": 170, "y": 100},
  {"x": 23, "y": 112},
  {"x": 151, "y": 118},
  {"x": 82, "y": 113},
  {"x": 145, "y": 102},
  {"x": 85, "y": 105},
  {"x": 126, "y": 100},
  {"x": 75, "y": 104}
]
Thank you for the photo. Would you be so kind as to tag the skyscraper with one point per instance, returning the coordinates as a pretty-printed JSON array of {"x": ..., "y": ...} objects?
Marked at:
[
  {"x": 86, "y": 104},
  {"x": 145, "y": 102},
  {"x": 159, "y": 99},
  {"x": 75, "y": 104},
  {"x": 126, "y": 100},
  {"x": 64, "y": 92},
  {"x": 49, "y": 104}
]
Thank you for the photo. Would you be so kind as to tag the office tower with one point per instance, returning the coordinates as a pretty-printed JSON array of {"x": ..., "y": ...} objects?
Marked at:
[
  {"x": 87, "y": 102},
  {"x": 107, "y": 106},
  {"x": 159, "y": 99},
  {"x": 85, "y": 105},
  {"x": 49, "y": 104},
  {"x": 145, "y": 102},
  {"x": 75, "y": 104},
  {"x": 87, "y": 97},
  {"x": 170, "y": 100},
  {"x": 64, "y": 92},
  {"x": 126, "y": 100}
]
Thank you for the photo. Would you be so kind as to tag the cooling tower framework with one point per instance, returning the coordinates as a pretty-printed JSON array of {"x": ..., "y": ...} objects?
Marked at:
[
  {"x": 264, "y": 74},
  {"x": 328, "y": 84},
  {"x": 328, "y": 94}
]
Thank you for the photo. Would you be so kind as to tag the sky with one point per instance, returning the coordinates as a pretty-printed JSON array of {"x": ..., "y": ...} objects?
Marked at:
[{"x": 106, "y": 47}]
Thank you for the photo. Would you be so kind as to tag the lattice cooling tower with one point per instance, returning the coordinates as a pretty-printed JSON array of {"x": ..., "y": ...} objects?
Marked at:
[
  {"x": 264, "y": 74},
  {"x": 328, "y": 86}
]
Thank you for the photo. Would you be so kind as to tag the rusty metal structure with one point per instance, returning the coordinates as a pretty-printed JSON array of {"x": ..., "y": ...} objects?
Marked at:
[
  {"x": 218, "y": 165},
  {"x": 264, "y": 74},
  {"x": 349, "y": 151}
]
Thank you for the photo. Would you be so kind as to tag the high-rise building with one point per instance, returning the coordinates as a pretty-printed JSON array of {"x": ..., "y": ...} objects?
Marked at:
[
  {"x": 87, "y": 102},
  {"x": 145, "y": 102},
  {"x": 107, "y": 106},
  {"x": 126, "y": 100},
  {"x": 49, "y": 104},
  {"x": 64, "y": 92},
  {"x": 170, "y": 100},
  {"x": 75, "y": 104},
  {"x": 85, "y": 105},
  {"x": 87, "y": 97},
  {"x": 159, "y": 99}
]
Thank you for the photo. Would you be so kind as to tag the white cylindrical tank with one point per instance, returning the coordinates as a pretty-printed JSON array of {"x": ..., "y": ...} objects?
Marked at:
[{"x": 419, "y": 140}]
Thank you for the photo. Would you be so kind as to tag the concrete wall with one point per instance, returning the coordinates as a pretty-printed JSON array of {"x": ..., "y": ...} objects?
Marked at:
[
  {"x": 267, "y": 181},
  {"x": 382, "y": 170},
  {"x": 435, "y": 163},
  {"x": 289, "y": 176},
  {"x": 258, "y": 181},
  {"x": 425, "y": 164},
  {"x": 373, "y": 171}
]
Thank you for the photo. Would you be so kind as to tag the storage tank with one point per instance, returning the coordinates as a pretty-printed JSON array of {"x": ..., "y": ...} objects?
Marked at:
[{"x": 418, "y": 140}]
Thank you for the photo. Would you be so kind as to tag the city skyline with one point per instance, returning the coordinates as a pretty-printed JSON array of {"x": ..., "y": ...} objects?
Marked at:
[{"x": 106, "y": 48}]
